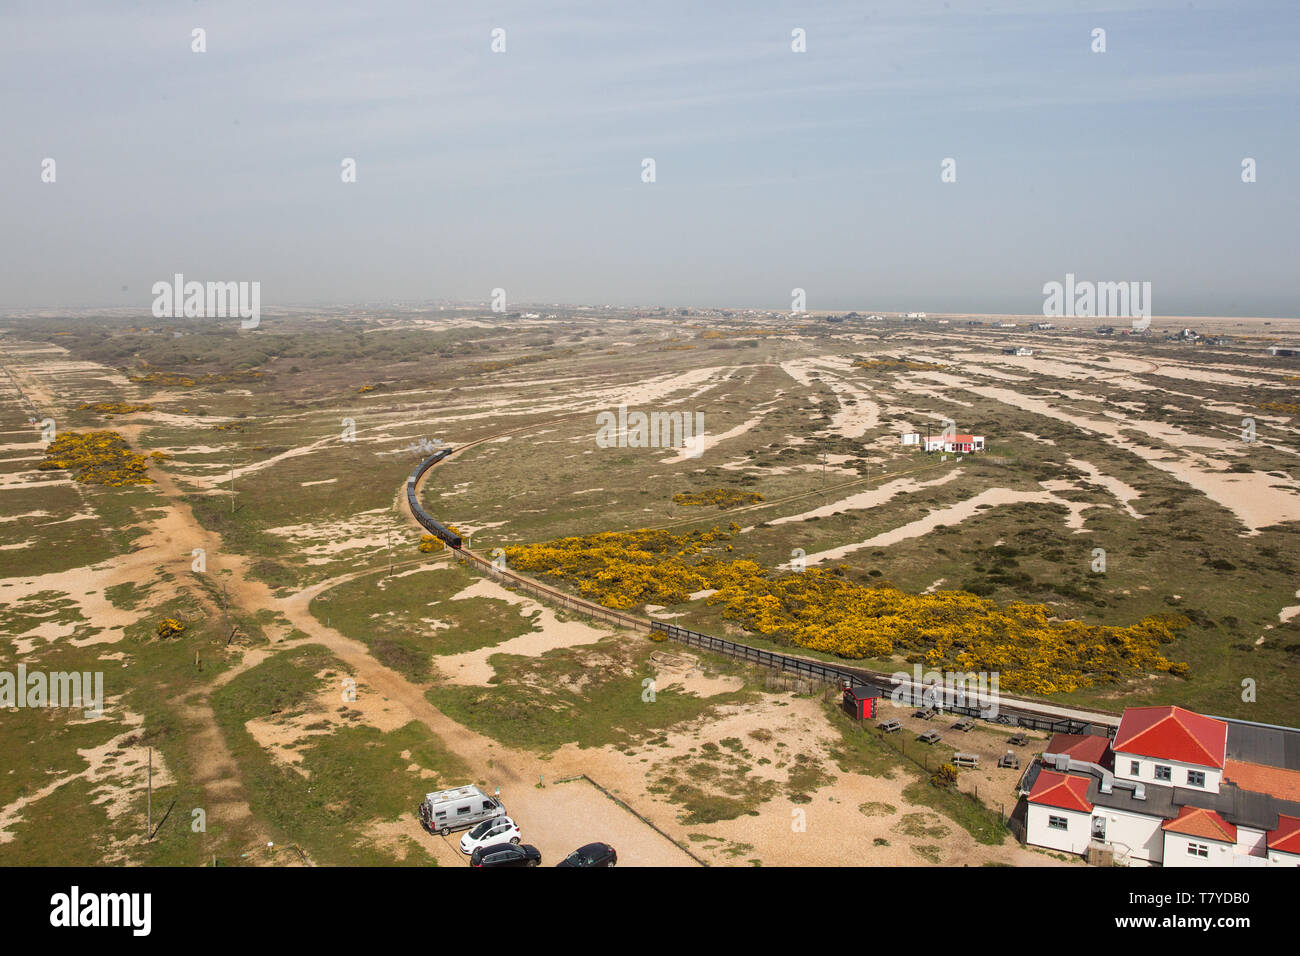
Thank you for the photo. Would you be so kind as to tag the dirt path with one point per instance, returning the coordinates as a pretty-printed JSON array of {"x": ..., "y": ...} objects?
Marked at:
[{"x": 516, "y": 772}]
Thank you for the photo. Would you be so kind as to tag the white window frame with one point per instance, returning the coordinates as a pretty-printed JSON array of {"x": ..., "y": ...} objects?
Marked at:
[
  {"x": 1057, "y": 823},
  {"x": 1198, "y": 850}
]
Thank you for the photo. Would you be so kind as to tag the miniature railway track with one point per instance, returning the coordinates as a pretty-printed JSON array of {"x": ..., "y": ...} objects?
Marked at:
[{"x": 1014, "y": 710}]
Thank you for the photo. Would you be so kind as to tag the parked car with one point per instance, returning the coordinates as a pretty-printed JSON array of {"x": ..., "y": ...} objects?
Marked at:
[
  {"x": 490, "y": 833},
  {"x": 593, "y": 854},
  {"x": 506, "y": 854}
]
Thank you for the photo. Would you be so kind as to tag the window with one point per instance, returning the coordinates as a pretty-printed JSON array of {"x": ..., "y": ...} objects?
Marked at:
[
  {"x": 1164, "y": 773},
  {"x": 1198, "y": 849},
  {"x": 1057, "y": 823},
  {"x": 461, "y": 811},
  {"x": 1195, "y": 778},
  {"x": 1134, "y": 767}
]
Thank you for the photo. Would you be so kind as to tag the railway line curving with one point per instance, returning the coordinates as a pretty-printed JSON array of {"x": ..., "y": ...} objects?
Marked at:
[{"x": 1017, "y": 711}]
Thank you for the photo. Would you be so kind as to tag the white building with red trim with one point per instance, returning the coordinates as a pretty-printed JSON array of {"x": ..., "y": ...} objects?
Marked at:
[
  {"x": 953, "y": 444},
  {"x": 1173, "y": 788}
]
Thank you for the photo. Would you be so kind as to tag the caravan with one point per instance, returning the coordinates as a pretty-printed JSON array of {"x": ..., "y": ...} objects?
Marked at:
[{"x": 457, "y": 809}]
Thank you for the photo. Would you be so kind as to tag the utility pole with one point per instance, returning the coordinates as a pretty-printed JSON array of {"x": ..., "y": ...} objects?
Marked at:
[
  {"x": 149, "y": 825},
  {"x": 232, "y": 487},
  {"x": 390, "y": 552}
]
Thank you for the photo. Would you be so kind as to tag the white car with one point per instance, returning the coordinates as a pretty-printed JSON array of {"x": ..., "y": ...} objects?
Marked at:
[{"x": 489, "y": 833}]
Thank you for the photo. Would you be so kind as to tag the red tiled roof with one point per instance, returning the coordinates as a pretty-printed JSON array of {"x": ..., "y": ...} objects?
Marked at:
[
  {"x": 1258, "y": 778},
  {"x": 1086, "y": 747},
  {"x": 1286, "y": 837},
  {"x": 1172, "y": 733},
  {"x": 1199, "y": 822},
  {"x": 1063, "y": 790}
]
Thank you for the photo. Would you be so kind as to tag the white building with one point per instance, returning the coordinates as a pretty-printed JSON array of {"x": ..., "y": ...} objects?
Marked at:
[
  {"x": 954, "y": 444},
  {"x": 1174, "y": 788}
]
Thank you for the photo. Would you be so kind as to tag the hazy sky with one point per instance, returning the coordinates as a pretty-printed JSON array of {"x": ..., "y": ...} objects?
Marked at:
[{"x": 775, "y": 169}]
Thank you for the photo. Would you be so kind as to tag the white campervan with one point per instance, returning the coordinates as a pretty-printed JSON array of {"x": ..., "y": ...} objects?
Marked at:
[{"x": 457, "y": 809}]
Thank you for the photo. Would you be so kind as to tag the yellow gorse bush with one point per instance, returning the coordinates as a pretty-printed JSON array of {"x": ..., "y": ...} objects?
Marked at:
[
  {"x": 169, "y": 627},
  {"x": 1288, "y": 408},
  {"x": 113, "y": 408},
  {"x": 431, "y": 543},
  {"x": 181, "y": 380},
  {"x": 97, "y": 458},
  {"x": 821, "y": 610},
  {"x": 722, "y": 497}
]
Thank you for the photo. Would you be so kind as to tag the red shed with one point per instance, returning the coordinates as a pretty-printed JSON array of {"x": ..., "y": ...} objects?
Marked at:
[{"x": 860, "y": 701}]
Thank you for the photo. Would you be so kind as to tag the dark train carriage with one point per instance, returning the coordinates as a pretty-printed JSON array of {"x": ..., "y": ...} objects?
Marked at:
[{"x": 444, "y": 533}]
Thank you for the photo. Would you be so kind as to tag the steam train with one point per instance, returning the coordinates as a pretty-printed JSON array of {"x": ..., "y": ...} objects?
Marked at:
[{"x": 449, "y": 537}]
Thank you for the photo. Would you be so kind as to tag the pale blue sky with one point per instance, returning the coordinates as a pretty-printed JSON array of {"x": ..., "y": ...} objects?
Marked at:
[{"x": 775, "y": 169}]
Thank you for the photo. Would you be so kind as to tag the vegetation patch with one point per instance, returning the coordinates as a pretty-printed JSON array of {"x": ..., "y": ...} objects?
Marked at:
[
  {"x": 589, "y": 695},
  {"x": 931, "y": 854},
  {"x": 721, "y": 497},
  {"x": 823, "y": 610},
  {"x": 897, "y": 365},
  {"x": 113, "y": 408},
  {"x": 97, "y": 458}
]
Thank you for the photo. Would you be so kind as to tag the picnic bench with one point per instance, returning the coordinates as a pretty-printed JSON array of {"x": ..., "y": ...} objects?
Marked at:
[
  {"x": 891, "y": 726},
  {"x": 965, "y": 725},
  {"x": 925, "y": 714},
  {"x": 929, "y": 737},
  {"x": 1009, "y": 760},
  {"x": 966, "y": 760},
  {"x": 1018, "y": 739}
]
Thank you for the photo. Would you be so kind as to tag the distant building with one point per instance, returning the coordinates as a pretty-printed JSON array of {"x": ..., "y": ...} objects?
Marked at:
[
  {"x": 1278, "y": 350},
  {"x": 1017, "y": 350},
  {"x": 954, "y": 444},
  {"x": 1040, "y": 326},
  {"x": 910, "y": 438}
]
